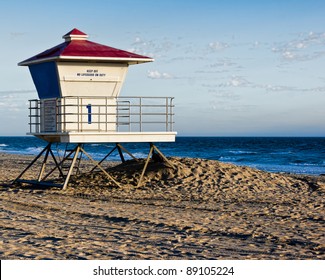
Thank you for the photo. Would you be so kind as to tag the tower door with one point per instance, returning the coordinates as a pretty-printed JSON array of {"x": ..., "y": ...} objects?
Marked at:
[{"x": 48, "y": 116}]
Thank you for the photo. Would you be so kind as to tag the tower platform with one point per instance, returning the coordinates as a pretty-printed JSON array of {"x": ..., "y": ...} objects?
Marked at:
[{"x": 107, "y": 137}]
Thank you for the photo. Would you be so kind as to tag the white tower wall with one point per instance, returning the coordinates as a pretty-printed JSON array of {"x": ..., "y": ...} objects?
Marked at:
[{"x": 86, "y": 79}]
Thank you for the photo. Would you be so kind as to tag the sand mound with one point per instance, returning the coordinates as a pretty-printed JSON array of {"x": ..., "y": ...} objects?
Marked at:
[{"x": 195, "y": 179}]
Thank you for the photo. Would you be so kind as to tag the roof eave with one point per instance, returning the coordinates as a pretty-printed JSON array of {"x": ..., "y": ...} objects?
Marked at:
[
  {"x": 108, "y": 59},
  {"x": 129, "y": 60}
]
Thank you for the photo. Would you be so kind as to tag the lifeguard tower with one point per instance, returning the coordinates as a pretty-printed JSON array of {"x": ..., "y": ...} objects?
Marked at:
[{"x": 78, "y": 84}]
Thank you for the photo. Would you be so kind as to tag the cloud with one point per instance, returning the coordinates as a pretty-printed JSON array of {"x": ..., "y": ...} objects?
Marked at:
[
  {"x": 217, "y": 46},
  {"x": 230, "y": 107},
  {"x": 242, "y": 82},
  {"x": 13, "y": 105},
  {"x": 182, "y": 58},
  {"x": 14, "y": 100},
  {"x": 20, "y": 91},
  {"x": 226, "y": 95},
  {"x": 307, "y": 46},
  {"x": 152, "y": 48},
  {"x": 223, "y": 63},
  {"x": 236, "y": 81},
  {"x": 155, "y": 74}
]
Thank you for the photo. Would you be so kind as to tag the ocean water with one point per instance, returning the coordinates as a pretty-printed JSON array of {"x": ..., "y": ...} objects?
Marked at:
[{"x": 292, "y": 155}]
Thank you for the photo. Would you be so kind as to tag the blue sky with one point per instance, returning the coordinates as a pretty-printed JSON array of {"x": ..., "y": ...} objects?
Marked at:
[{"x": 235, "y": 68}]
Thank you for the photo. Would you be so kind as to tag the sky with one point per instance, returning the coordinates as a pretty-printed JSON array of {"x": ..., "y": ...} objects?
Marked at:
[{"x": 235, "y": 68}]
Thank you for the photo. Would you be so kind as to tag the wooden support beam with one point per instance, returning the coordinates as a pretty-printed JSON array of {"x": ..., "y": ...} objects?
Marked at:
[
  {"x": 99, "y": 163},
  {"x": 32, "y": 162},
  {"x": 120, "y": 152},
  {"x": 145, "y": 165},
  {"x": 76, "y": 152},
  {"x": 125, "y": 150},
  {"x": 101, "y": 168},
  {"x": 59, "y": 165},
  {"x": 44, "y": 163},
  {"x": 163, "y": 156}
]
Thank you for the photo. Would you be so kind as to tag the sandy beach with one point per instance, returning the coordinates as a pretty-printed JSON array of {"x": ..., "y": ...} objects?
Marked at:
[{"x": 202, "y": 209}]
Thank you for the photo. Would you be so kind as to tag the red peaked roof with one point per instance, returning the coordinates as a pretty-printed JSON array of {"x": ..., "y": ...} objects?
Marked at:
[
  {"x": 75, "y": 31},
  {"x": 76, "y": 47}
]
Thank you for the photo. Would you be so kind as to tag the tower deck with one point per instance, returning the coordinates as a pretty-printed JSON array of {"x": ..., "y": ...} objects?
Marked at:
[{"x": 102, "y": 119}]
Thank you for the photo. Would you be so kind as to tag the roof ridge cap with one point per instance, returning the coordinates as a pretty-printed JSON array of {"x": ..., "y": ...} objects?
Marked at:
[{"x": 75, "y": 34}]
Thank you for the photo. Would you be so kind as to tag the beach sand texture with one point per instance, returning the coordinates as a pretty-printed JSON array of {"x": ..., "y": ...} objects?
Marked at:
[{"x": 203, "y": 209}]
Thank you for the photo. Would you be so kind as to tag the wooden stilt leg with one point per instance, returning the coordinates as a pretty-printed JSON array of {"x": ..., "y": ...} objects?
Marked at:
[
  {"x": 145, "y": 165},
  {"x": 162, "y": 155},
  {"x": 99, "y": 163},
  {"x": 44, "y": 163},
  {"x": 101, "y": 168},
  {"x": 57, "y": 164},
  {"x": 120, "y": 152},
  {"x": 125, "y": 150},
  {"x": 77, "y": 150},
  {"x": 33, "y": 161}
]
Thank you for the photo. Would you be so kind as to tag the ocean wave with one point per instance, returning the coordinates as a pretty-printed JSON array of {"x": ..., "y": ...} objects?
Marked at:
[
  {"x": 100, "y": 156},
  {"x": 33, "y": 150},
  {"x": 294, "y": 169},
  {"x": 139, "y": 155},
  {"x": 236, "y": 159},
  {"x": 240, "y": 152},
  {"x": 307, "y": 164},
  {"x": 222, "y": 158},
  {"x": 4, "y": 145},
  {"x": 281, "y": 153}
]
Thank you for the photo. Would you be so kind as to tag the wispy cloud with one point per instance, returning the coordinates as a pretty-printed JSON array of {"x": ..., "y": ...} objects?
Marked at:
[
  {"x": 14, "y": 100},
  {"x": 155, "y": 74},
  {"x": 242, "y": 82},
  {"x": 153, "y": 48},
  {"x": 224, "y": 94},
  {"x": 236, "y": 81},
  {"x": 217, "y": 46},
  {"x": 13, "y": 105},
  {"x": 15, "y": 91},
  {"x": 306, "y": 46},
  {"x": 217, "y": 105},
  {"x": 224, "y": 63}
]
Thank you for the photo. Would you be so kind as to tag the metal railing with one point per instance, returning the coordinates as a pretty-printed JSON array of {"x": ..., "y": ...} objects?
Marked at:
[{"x": 101, "y": 114}]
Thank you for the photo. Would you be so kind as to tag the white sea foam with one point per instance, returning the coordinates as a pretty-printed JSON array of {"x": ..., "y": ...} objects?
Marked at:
[
  {"x": 239, "y": 152},
  {"x": 33, "y": 150}
]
